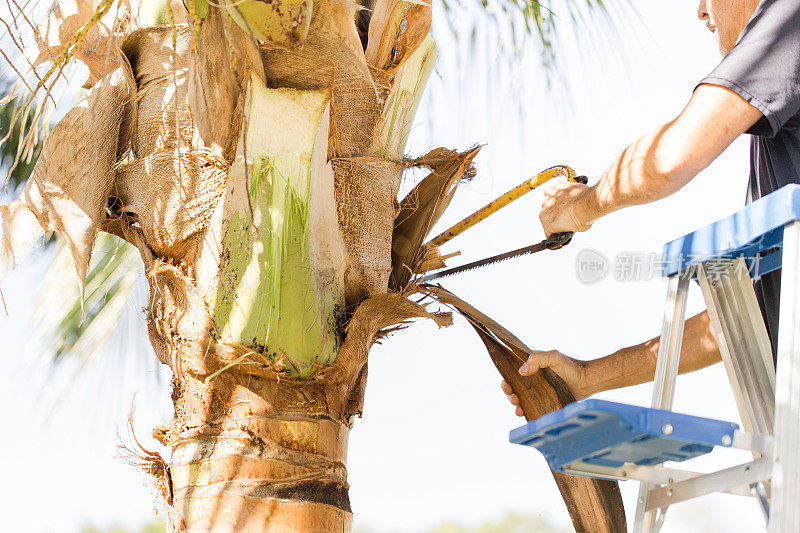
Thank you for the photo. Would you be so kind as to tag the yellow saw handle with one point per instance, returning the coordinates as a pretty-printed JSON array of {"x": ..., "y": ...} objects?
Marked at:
[{"x": 507, "y": 198}]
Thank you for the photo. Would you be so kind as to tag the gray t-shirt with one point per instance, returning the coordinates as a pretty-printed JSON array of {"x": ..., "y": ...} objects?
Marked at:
[{"x": 764, "y": 69}]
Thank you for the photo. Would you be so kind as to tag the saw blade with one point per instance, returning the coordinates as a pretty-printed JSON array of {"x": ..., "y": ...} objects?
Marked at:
[{"x": 538, "y": 247}]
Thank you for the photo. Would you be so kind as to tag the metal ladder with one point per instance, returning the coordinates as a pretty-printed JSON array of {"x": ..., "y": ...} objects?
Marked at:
[
  {"x": 723, "y": 258},
  {"x": 746, "y": 353}
]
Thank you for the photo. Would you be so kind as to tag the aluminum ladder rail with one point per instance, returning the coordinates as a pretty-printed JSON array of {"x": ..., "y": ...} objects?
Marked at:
[{"x": 721, "y": 257}]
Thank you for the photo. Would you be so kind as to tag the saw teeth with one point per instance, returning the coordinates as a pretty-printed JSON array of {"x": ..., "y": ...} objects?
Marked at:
[{"x": 462, "y": 269}]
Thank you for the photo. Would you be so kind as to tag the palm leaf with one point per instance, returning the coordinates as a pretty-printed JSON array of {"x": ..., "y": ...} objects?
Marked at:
[
  {"x": 515, "y": 25},
  {"x": 595, "y": 505},
  {"x": 66, "y": 328},
  {"x": 8, "y": 151}
]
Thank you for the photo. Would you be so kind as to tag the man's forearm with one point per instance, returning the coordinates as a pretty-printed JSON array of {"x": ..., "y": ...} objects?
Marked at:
[
  {"x": 642, "y": 173},
  {"x": 636, "y": 364},
  {"x": 660, "y": 163}
]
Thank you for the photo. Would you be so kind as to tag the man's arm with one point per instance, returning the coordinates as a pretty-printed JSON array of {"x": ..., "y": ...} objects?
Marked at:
[
  {"x": 626, "y": 367},
  {"x": 656, "y": 165},
  {"x": 652, "y": 168}
]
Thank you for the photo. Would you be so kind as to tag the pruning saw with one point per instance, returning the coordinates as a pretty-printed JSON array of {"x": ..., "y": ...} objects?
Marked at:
[{"x": 553, "y": 242}]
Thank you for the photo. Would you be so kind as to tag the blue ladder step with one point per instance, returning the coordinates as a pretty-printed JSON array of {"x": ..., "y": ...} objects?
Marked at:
[
  {"x": 612, "y": 434},
  {"x": 756, "y": 229}
]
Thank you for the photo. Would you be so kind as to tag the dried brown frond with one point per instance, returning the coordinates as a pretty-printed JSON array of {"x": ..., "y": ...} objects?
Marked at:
[
  {"x": 372, "y": 320},
  {"x": 156, "y": 468},
  {"x": 77, "y": 47},
  {"x": 423, "y": 207},
  {"x": 69, "y": 189},
  {"x": 396, "y": 29},
  {"x": 594, "y": 505}
]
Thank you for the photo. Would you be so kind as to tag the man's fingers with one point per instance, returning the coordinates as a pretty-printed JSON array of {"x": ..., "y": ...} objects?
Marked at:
[
  {"x": 513, "y": 398},
  {"x": 530, "y": 367},
  {"x": 519, "y": 412},
  {"x": 533, "y": 364},
  {"x": 506, "y": 388},
  {"x": 554, "y": 189},
  {"x": 559, "y": 206},
  {"x": 538, "y": 360}
]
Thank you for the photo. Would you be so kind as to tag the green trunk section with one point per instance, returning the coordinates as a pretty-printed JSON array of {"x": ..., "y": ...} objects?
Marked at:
[
  {"x": 271, "y": 296},
  {"x": 401, "y": 106}
]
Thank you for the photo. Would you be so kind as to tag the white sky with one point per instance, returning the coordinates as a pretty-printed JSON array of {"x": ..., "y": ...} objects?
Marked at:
[{"x": 432, "y": 445}]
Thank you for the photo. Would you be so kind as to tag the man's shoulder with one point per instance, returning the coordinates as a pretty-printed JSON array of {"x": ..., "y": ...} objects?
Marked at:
[{"x": 764, "y": 66}]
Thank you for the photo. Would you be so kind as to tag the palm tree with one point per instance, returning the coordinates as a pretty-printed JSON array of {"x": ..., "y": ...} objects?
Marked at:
[{"x": 252, "y": 153}]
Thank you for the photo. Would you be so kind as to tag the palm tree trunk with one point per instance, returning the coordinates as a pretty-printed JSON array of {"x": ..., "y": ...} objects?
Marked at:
[
  {"x": 255, "y": 466},
  {"x": 252, "y": 324}
]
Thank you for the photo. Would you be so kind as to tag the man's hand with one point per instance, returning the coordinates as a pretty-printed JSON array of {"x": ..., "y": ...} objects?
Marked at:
[
  {"x": 572, "y": 371},
  {"x": 656, "y": 165},
  {"x": 565, "y": 208}
]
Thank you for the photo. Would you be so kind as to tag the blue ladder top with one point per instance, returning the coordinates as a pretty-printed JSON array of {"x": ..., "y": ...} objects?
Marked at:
[
  {"x": 756, "y": 228},
  {"x": 610, "y": 434}
]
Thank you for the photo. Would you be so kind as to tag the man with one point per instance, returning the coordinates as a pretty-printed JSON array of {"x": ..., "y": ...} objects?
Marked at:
[{"x": 754, "y": 90}]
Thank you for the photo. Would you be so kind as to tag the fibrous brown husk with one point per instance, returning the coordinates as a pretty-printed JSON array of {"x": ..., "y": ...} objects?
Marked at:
[
  {"x": 150, "y": 51},
  {"x": 312, "y": 66},
  {"x": 70, "y": 184},
  {"x": 372, "y": 316},
  {"x": 163, "y": 115},
  {"x": 183, "y": 183},
  {"x": 366, "y": 190},
  {"x": 594, "y": 505},
  {"x": 158, "y": 126},
  {"x": 431, "y": 259},
  {"x": 171, "y": 194},
  {"x": 177, "y": 317}
]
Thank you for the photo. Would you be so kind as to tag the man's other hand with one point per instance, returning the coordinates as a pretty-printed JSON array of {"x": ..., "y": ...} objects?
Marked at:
[
  {"x": 572, "y": 371},
  {"x": 564, "y": 208}
]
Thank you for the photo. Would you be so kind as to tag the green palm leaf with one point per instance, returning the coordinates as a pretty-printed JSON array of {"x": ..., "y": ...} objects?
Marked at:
[
  {"x": 65, "y": 328},
  {"x": 8, "y": 150},
  {"x": 518, "y": 24}
]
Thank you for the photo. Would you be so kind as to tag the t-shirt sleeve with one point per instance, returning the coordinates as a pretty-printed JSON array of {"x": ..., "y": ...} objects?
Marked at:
[{"x": 764, "y": 66}]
